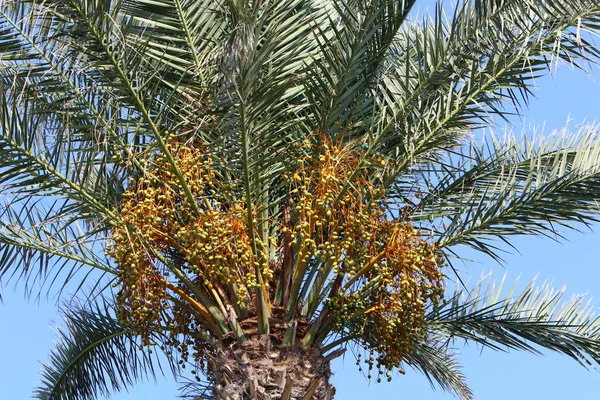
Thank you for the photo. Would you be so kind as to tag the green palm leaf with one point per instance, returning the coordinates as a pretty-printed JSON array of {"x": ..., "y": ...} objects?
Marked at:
[
  {"x": 95, "y": 356},
  {"x": 537, "y": 317},
  {"x": 451, "y": 75},
  {"x": 440, "y": 367},
  {"x": 510, "y": 187}
]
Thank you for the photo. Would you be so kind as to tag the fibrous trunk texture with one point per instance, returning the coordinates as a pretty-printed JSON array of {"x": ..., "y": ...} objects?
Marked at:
[{"x": 258, "y": 370}]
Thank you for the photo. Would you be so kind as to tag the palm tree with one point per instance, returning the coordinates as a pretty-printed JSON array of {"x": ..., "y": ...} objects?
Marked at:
[{"x": 250, "y": 188}]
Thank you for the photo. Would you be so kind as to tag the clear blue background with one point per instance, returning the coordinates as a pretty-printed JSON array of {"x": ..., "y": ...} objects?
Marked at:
[{"x": 27, "y": 330}]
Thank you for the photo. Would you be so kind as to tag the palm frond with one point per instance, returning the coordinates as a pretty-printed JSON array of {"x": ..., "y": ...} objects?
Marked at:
[
  {"x": 440, "y": 367},
  {"x": 192, "y": 389},
  {"x": 514, "y": 186},
  {"x": 56, "y": 191},
  {"x": 94, "y": 357},
  {"x": 45, "y": 250},
  {"x": 179, "y": 33},
  {"x": 46, "y": 82},
  {"x": 452, "y": 74},
  {"x": 353, "y": 44},
  {"x": 40, "y": 154},
  {"x": 537, "y": 317}
]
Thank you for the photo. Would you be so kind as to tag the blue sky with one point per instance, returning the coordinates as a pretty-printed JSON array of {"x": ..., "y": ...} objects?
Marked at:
[{"x": 27, "y": 330}]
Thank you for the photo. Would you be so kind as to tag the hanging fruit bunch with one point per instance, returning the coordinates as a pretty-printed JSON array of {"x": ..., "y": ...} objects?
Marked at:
[
  {"x": 163, "y": 248},
  {"x": 386, "y": 274}
]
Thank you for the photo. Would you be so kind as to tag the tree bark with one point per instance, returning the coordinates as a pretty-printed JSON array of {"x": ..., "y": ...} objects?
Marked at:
[{"x": 258, "y": 370}]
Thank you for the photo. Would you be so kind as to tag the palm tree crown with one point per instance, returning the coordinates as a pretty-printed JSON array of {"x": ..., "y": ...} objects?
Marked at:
[{"x": 249, "y": 178}]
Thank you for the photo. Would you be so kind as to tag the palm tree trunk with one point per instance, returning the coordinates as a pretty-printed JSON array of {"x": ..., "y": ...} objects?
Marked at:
[{"x": 260, "y": 370}]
